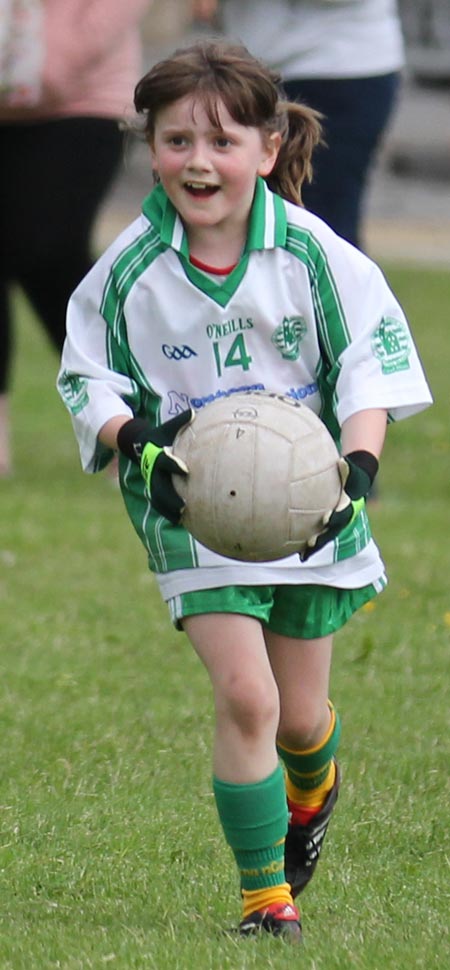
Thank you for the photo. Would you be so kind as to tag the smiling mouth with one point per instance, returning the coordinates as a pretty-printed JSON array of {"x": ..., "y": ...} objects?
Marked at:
[{"x": 201, "y": 190}]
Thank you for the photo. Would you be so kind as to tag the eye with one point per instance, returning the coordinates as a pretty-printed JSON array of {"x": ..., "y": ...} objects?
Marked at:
[
  {"x": 222, "y": 141},
  {"x": 178, "y": 141}
]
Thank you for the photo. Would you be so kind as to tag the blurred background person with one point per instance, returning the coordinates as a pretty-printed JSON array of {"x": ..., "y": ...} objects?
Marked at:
[
  {"x": 342, "y": 57},
  {"x": 67, "y": 74}
]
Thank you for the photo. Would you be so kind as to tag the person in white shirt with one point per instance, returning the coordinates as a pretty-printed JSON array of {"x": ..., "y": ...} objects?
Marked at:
[
  {"x": 342, "y": 57},
  {"x": 202, "y": 297}
]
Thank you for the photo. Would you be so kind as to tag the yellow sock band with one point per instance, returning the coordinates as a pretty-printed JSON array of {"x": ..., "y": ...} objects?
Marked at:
[
  {"x": 311, "y": 773},
  {"x": 315, "y": 797},
  {"x": 260, "y": 899}
]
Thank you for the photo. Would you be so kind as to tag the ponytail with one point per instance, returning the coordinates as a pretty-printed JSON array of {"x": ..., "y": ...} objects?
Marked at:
[{"x": 302, "y": 133}]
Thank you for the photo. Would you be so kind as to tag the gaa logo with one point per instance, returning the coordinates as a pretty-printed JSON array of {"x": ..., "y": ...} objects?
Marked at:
[
  {"x": 178, "y": 353},
  {"x": 391, "y": 345},
  {"x": 288, "y": 336}
]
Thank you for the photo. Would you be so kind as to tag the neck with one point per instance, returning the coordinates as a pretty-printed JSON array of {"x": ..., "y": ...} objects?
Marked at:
[{"x": 211, "y": 247}]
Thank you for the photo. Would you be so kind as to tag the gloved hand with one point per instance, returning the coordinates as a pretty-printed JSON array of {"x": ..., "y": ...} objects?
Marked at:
[
  {"x": 357, "y": 471},
  {"x": 150, "y": 448}
]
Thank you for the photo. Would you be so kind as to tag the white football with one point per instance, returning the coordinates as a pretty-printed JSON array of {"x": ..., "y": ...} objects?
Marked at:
[{"x": 263, "y": 472}]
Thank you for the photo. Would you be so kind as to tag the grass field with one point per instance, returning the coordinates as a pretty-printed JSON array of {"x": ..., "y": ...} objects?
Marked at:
[{"x": 111, "y": 853}]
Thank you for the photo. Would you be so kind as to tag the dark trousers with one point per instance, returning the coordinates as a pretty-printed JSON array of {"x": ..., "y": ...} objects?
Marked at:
[
  {"x": 53, "y": 177},
  {"x": 356, "y": 113}
]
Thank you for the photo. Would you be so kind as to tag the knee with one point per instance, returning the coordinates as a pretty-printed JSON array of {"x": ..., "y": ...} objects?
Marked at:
[
  {"x": 302, "y": 729},
  {"x": 250, "y": 702}
]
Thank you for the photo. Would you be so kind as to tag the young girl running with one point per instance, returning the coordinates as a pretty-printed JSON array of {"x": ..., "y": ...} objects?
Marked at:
[{"x": 225, "y": 283}]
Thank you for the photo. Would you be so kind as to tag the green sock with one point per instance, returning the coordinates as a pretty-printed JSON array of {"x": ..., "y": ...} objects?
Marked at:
[
  {"x": 254, "y": 820},
  {"x": 308, "y": 770}
]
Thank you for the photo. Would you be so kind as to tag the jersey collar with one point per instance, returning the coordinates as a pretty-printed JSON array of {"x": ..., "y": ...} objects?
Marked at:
[{"x": 267, "y": 227}]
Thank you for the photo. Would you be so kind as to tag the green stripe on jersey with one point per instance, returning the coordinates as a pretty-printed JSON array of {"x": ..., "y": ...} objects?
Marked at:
[
  {"x": 354, "y": 538},
  {"x": 118, "y": 361},
  {"x": 268, "y": 222},
  {"x": 334, "y": 338},
  {"x": 129, "y": 266},
  {"x": 125, "y": 271},
  {"x": 169, "y": 547},
  {"x": 333, "y": 332},
  {"x": 331, "y": 323}
]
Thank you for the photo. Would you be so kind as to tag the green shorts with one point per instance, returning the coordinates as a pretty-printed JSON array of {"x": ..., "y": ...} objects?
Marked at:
[{"x": 293, "y": 611}]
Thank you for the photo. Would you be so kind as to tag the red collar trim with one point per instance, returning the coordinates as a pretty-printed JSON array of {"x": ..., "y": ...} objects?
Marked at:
[{"x": 222, "y": 271}]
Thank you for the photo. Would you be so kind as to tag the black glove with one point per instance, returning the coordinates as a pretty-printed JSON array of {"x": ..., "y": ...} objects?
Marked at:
[
  {"x": 357, "y": 471},
  {"x": 150, "y": 448}
]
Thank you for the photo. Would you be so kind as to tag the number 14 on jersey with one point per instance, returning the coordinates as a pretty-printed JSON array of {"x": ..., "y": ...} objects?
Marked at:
[{"x": 236, "y": 356}]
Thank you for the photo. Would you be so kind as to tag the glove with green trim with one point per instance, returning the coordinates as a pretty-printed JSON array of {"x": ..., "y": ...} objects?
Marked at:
[
  {"x": 150, "y": 448},
  {"x": 357, "y": 471}
]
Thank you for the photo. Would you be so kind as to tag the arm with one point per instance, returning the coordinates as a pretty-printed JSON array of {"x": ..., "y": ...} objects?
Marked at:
[
  {"x": 365, "y": 431},
  {"x": 108, "y": 433},
  {"x": 151, "y": 449},
  {"x": 362, "y": 435},
  {"x": 136, "y": 438},
  {"x": 94, "y": 379}
]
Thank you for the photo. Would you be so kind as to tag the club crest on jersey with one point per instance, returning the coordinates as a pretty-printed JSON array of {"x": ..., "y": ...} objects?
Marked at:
[
  {"x": 74, "y": 392},
  {"x": 391, "y": 345},
  {"x": 287, "y": 337}
]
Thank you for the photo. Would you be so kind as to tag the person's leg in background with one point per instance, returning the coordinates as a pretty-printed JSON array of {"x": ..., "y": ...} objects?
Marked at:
[
  {"x": 54, "y": 176},
  {"x": 5, "y": 357},
  {"x": 356, "y": 113},
  {"x": 7, "y": 189}
]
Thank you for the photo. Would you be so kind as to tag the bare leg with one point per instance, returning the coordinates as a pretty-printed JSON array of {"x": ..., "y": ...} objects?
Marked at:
[
  {"x": 249, "y": 785},
  {"x": 5, "y": 451},
  {"x": 302, "y": 672},
  {"x": 233, "y": 651}
]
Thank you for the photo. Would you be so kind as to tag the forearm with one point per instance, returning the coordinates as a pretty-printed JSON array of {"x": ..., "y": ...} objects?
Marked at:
[
  {"x": 108, "y": 433},
  {"x": 151, "y": 449},
  {"x": 364, "y": 431},
  {"x": 362, "y": 438}
]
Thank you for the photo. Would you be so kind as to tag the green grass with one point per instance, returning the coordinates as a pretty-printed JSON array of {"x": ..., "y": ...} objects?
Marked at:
[{"x": 111, "y": 853}]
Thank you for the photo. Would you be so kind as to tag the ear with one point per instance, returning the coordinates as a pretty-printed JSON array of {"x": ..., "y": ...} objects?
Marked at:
[{"x": 271, "y": 147}]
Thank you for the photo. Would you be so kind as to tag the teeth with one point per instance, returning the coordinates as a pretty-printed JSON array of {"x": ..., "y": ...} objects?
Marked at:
[{"x": 199, "y": 185}]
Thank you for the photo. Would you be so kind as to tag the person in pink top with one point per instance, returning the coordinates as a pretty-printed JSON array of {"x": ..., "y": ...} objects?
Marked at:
[{"x": 67, "y": 74}]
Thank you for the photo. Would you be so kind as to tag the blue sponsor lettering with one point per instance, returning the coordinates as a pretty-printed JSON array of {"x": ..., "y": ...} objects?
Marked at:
[
  {"x": 179, "y": 401},
  {"x": 199, "y": 402},
  {"x": 299, "y": 393}
]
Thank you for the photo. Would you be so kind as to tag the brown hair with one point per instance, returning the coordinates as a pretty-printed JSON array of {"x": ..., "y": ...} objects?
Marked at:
[{"x": 214, "y": 70}]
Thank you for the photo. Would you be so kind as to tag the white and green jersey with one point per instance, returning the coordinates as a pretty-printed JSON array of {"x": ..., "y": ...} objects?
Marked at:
[{"x": 303, "y": 313}]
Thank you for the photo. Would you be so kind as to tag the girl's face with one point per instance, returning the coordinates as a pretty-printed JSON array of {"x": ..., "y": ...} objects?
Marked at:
[{"x": 209, "y": 173}]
